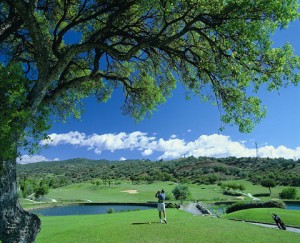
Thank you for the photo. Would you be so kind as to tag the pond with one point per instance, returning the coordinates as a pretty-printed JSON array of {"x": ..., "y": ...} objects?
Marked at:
[
  {"x": 221, "y": 208},
  {"x": 293, "y": 206},
  {"x": 87, "y": 209},
  {"x": 104, "y": 208}
]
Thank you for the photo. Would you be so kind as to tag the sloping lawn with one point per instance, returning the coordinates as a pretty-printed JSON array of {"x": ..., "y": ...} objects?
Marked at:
[
  {"x": 264, "y": 215},
  {"x": 134, "y": 227}
]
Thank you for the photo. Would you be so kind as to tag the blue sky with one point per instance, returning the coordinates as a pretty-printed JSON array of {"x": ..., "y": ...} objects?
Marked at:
[{"x": 179, "y": 128}]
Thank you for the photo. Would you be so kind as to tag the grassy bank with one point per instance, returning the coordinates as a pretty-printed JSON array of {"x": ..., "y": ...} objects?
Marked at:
[
  {"x": 135, "y": 227},
  {"x": 264, "y": 215}
]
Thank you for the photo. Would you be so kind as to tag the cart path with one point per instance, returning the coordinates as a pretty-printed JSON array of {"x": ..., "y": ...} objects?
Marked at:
[{"x": 291, "y": 229}]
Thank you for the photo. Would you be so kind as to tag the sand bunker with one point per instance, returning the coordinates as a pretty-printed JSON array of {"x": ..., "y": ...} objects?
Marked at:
[{"x": 130, "y": 191}]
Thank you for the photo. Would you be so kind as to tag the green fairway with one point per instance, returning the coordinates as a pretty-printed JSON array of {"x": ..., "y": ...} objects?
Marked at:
[
  {"x": 86, "y": 192},
  {"x": 255, "y": 189},
  {"x": 135, "y": 227},
  {"x": 126, "y": 192},
  {"x": 119, "y": 193}
]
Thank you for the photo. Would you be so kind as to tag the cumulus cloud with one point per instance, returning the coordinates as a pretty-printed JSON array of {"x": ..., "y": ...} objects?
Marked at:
[
  {"x": 214, "y": 145},
  {"x": 147, "y": 152},
  {"x": 27, "y": 159},
  {"x": 73, "y": 138}
]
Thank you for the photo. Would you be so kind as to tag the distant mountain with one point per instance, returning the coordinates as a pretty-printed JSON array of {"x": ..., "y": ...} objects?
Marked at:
[{"x": 197, "y": 170}]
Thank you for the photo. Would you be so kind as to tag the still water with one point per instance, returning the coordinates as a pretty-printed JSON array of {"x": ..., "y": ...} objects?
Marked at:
[
  {"x": 293, "y": 206},
  {"x": 221, "y": 209},
  {"x": 104, "y": 208},
  {"x": 86, "y": 209}
]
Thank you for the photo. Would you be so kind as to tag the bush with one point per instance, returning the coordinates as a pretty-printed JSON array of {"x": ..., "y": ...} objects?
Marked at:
[
  {"x": 232, "y": 186},
  {"x": 169, "y": 197},
  {"x": 288, "y": 193},
  {"x": 261, "y": 195},
  {"x": 257, "y": 204},
  {"x": 110, "y": 210},
  {"x": 181, "y": 192},
  {"x": 232, "y": 193},
  {"x": 172, "y": 205}
]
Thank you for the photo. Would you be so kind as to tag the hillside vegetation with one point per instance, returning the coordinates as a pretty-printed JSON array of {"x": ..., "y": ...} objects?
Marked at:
[{"x": 203, "y": 170}]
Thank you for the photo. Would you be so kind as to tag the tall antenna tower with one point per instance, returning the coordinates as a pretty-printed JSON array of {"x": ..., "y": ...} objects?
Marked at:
[{"x": 256, "y": 148}]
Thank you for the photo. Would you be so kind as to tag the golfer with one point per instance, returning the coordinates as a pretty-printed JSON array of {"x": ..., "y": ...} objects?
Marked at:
[{"x": 161, "y": 204}]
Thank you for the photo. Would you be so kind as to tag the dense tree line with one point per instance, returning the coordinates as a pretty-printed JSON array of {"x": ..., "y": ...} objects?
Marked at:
[
  {"x": 202, "y": 170},
  {"x": 29, "y": 187}
]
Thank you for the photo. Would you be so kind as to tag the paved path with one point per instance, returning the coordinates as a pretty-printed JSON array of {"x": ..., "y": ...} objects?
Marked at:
[
  {"x": 296, "y": 230},
  {"x": 191, "y": 208}
]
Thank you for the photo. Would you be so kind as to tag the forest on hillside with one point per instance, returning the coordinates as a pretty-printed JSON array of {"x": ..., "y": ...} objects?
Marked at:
[{"x": 202, "y": 170}]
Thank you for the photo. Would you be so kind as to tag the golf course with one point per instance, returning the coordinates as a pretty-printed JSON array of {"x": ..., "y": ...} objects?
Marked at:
[{"x": 144, "y": 225}]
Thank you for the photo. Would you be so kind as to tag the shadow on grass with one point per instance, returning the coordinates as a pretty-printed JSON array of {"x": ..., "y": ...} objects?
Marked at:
[{"x": 145, "y": 223}]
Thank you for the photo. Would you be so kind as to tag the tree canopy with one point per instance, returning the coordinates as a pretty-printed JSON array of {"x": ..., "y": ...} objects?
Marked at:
[
  {"x": 267, "y": 182},
  {"x": 71, "y": 49}
]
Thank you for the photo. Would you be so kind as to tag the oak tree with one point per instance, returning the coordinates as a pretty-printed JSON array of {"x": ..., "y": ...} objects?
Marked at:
[{"x": 55, "y": 53}]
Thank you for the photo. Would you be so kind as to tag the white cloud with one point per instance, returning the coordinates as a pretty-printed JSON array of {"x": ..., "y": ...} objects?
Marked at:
[
  {"x": 74, "y": 138},
  {"x": 27, "y": 159},
  {"x": 281, "y": 151},
  {"x": 172, "y": 148},
  {"x": 214, "y": 145},
  {"x": 122, "y": 159},
  {"x": 147, "y": 152}
]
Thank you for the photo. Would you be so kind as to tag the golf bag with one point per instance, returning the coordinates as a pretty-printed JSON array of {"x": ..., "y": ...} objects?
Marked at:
[{"x": 279, "y": 222}]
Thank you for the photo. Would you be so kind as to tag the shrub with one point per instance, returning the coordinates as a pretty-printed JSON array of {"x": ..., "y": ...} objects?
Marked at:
[
  {"x": 169, "y": 197},
  {"x": 261, "y": 195},
  {"x": 257, "y": 204},
  {"x": 172, "y": 205},
  {"x": 110, "y": 210},
  {"x": 181, "y": 192},
  {"x": 232, "y": 193},
  {"x": 232, "y": 186},
  {"x": 242, "y": 187},
  {"x": 288, "y": 193}
]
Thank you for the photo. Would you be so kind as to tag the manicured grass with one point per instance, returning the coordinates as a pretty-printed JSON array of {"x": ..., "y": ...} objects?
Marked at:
[
  {"x": 264, "y": 215},
  {"x": 134, "y": 227},
  {"x": 208, "y": 193},
  {"x": 255, "y": 189},
  {"x": 86, "y": 192},
  {"x": 182, "y": 226}
]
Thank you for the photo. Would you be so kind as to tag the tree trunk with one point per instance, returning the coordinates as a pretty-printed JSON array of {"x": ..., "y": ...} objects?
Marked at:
[{"x": 16, "y": 224}]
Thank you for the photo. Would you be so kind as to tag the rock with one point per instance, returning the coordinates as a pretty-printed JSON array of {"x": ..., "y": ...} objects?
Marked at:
[{"x": 202, "y": 209}]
